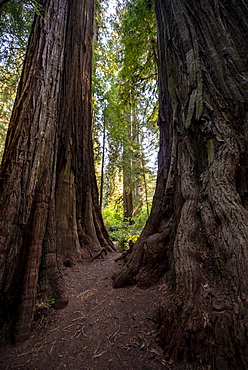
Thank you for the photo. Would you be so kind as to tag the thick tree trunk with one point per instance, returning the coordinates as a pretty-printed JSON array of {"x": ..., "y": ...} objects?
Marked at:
[
  {"x": 49, "y": 199},
  {"x": 80, "y": 210},
  {"x": 197, "y": 233},
  {"x": 29, "y": 170}
]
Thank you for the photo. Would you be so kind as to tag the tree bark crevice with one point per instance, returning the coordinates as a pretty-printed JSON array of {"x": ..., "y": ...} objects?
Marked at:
[
  {"x": 47, "y": 166},
  {"x": 201, "y": 186}
]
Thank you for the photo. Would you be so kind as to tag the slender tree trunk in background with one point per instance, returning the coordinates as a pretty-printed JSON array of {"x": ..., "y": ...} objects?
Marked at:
[
  {"x": 136, "y": 164},
  {"x": 127, "y": 187},
  {"x": 145, "y": 183},
  {"x": 49, "y": 202},
  {"x": 127, "y": 170},
  {"x": 196, "y": 236},
  {"x": 132, "y": 201},
  {"x": 103, "y": 161}
]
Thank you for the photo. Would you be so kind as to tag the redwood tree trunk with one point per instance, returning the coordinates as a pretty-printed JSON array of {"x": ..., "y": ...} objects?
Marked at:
[
  {"x": 127, "y": 197},
  {"x": 196, "y": 236},
  {"x": 49, "y": 203}
]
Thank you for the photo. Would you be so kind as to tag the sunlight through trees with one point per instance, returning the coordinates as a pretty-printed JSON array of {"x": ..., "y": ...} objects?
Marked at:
[{"x": 126, "y": 105}]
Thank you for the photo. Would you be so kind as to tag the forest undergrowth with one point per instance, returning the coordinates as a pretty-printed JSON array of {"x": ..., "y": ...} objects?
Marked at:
[{"x": 120, "y": 231}]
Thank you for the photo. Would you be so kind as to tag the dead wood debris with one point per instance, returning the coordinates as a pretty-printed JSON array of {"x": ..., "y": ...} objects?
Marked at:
[
  {"x": 86, "y": 294},
  {"x": 99, "y": 254},
  {"x": 100, "y": 354}
]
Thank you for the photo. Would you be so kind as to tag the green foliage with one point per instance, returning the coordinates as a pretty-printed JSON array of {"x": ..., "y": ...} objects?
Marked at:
[
  {"x": 48, "y": 303},
  {"x": 123, "y": 232},
  {"x": 137, "y": 30},
  {"x": 125, "y": 101},
  {"x": 15, "y": 26}
]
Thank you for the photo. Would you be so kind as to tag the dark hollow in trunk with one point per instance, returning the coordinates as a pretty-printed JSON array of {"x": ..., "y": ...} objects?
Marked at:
[{"x": 197, "y": 233}]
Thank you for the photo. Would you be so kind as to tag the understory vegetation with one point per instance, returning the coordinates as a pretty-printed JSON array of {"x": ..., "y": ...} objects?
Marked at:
[
  {"x": 125, "y": 104},
  {"x": 121, "y": 231}
]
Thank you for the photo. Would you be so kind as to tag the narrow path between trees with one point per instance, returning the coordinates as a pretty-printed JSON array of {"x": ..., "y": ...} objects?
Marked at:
[{"x": 101, "y": 328}]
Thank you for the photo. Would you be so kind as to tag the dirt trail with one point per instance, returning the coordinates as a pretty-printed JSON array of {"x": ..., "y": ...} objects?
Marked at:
[{"x": 101, "y": 328}]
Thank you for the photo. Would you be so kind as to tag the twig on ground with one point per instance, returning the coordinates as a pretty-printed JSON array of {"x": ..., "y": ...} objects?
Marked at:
[
  {"x": 100, "y": 354},
  {"x": 54, "y": 329},
  {"x": 117, "y": 354},
  {"x": 100, "y": 303},
  {"x": 23, "y": 366},
  {"x": 78, "y": 318},
  {"x": 69, "y": 326},
  {"x": 83, "y": 333},
  {"x": 25, "y": 353},
  {"x": 52, "y": 347},
  {"x": 86, "y": 294}
]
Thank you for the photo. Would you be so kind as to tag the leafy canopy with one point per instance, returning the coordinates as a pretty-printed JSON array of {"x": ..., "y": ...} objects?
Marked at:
[
  {"x": 126, "y": 104},
  {"x": 15, "y": 26}
]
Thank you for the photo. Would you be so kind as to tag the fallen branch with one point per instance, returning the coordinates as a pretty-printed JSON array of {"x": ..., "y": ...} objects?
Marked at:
[{"x": 99, "y": 254}]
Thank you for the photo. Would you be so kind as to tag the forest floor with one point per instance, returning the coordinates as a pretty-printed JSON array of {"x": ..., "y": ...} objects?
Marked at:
[{"x": 100, "y": 329}]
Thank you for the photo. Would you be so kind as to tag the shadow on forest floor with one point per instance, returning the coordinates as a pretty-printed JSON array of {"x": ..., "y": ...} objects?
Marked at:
[{"x": 101, "y": 328}]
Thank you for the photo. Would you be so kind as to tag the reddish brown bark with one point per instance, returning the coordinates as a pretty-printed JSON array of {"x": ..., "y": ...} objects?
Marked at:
[
  {"x": 196, "y": 236},
  {"x": 47, "y": 169}
]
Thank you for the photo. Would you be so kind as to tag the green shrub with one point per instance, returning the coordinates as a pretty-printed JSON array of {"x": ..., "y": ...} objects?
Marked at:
[{"x": 121, "y": 231}]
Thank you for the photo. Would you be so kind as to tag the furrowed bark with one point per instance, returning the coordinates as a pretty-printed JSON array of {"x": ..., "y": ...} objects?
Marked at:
[
  {"x": 196, "y": 236},
  {"x": 76, "y": 148},
  {"x": 47, "y": 168},
  {"x": 28, "y": 167}
]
